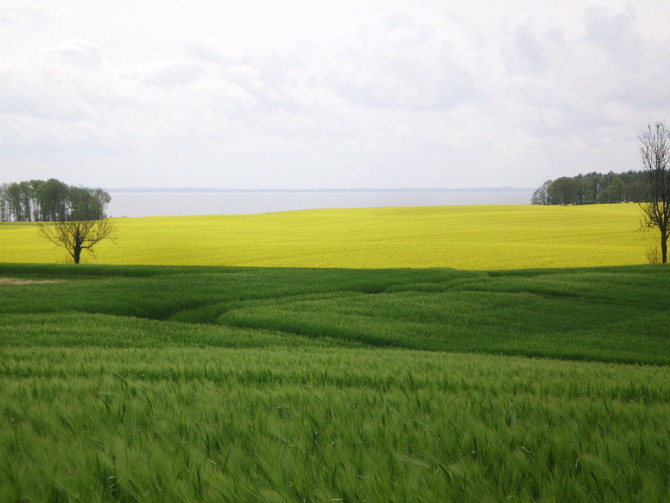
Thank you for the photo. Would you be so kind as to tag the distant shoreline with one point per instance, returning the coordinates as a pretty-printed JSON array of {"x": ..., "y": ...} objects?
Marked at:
[
  {"x": 148, "y": 201},
  {"x": 334, "y": 190}
]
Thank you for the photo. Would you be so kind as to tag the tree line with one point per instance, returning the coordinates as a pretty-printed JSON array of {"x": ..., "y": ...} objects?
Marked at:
[
  {"x": 594, "y": 188},
  {"x": 50, "y": 201},
  {"x": 70, "y": 217},
  {"x": 650, "y": 188}
]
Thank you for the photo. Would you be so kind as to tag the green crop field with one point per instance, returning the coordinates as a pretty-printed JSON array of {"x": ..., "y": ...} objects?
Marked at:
[{"x": 166, "y": 384}]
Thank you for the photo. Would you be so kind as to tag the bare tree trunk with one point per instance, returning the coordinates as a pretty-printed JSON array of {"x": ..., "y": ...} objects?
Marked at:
[
  {"x": 655, "y": 152},
  {"x": 76, "y": 255},
  {"x": 77, "y": 236}
]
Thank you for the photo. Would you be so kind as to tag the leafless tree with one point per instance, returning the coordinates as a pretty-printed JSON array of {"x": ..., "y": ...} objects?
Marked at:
[
  {"x": 655, "y": 152},
  {"x": 78, "y": 235}
]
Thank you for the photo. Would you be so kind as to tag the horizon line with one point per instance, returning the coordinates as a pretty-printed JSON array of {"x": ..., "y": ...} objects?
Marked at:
[{"x": 323, "y": 189}]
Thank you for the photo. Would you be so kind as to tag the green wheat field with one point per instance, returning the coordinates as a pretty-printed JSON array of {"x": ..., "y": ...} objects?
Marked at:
[{"x": 178, "y": 384}]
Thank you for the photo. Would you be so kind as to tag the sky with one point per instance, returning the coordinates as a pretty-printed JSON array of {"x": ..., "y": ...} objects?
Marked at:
[{"x": 324, "y": 94}]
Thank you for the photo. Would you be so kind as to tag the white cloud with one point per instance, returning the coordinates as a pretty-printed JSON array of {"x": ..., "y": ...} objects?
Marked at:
[
  {"x": 361, "y": 94},
  {"x": 170, "y": 74},
  {"x": 78, "y": 53},
  {"x": 24, "y": 17}
]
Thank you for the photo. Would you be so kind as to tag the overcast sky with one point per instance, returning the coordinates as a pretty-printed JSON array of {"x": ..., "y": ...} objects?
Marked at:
[{"x": 324, "y": 94}]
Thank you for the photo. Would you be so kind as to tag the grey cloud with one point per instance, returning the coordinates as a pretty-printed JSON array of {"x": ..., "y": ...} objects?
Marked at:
[
  {"x": 267, "y": 78},
  {"x": 76, "y": 52},
  {"x": 66, "y": 83},
  {"x": 25, "y": 17},
  {"x": 614, "y": 33},
  {"x": 422, "y": 89},
  {"x": 643, "y": 73},
  {"x": 171, "y": 74},
  {"x": 204, "y": 51},
  {"x": 66, "y": 98},
  {"x": 582, "y": 90},
  {"x": 527, "y": 52},
  {"x": 399, "y": 62},
  {"x": 647, "y": 88},
  {"x": 27, "y": 93},
  {"x": 404, "y": 64},
  {"x": 406, "y": 34}
]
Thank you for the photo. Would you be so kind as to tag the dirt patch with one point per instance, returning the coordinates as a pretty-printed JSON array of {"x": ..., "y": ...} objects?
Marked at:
[{"x": 15, "y": 281}]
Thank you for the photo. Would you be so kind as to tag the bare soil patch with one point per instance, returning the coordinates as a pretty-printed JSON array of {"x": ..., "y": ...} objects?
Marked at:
[{"x": 15, "y": 281}]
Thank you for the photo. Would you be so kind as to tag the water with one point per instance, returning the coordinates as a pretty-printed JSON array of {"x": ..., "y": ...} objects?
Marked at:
[{"x": 174, "y": 203}]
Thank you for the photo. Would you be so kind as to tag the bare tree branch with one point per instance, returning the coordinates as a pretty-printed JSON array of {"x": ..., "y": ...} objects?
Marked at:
[
  {"x": 78, "y": 235},
  {"x": 655, "y": 155}
]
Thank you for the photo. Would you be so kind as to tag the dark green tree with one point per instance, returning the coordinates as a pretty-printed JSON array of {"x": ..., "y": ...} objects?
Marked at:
[
  {"x": 4, "y": 207},
  {"x": 541, "y": 195},
  {"x": 563, "y": 191},
  {"x": 73, "y": 217},
  {"x": 615, "y": 192},
  {"x": 14, "y": 202},
  {"x": 591, "y": 188},
  {"x": 51, "y": 199}
]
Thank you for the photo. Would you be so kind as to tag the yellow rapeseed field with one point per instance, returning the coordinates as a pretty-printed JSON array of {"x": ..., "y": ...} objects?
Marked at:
[{"x": 463, "y": 237}]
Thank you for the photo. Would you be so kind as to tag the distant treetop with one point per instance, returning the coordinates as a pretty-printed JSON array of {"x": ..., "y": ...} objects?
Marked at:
[
  {"x": 51, "y": 201},
  {"x": 593, "y": 188}
]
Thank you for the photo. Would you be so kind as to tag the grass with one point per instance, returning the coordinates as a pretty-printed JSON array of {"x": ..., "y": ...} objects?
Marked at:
[
  {"x": 122, "y": 384},
  {"x": 190, "y": 424},
  {"x": 597, "y": 314},
  {"x": 462, "y": 237}
]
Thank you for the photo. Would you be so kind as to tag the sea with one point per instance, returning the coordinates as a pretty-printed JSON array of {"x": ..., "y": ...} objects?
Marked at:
[{"x": 177, "y": 202}]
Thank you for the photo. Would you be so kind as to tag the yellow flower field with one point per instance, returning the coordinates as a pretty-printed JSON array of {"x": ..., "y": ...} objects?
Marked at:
[{"x": 462, "y": 237}]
